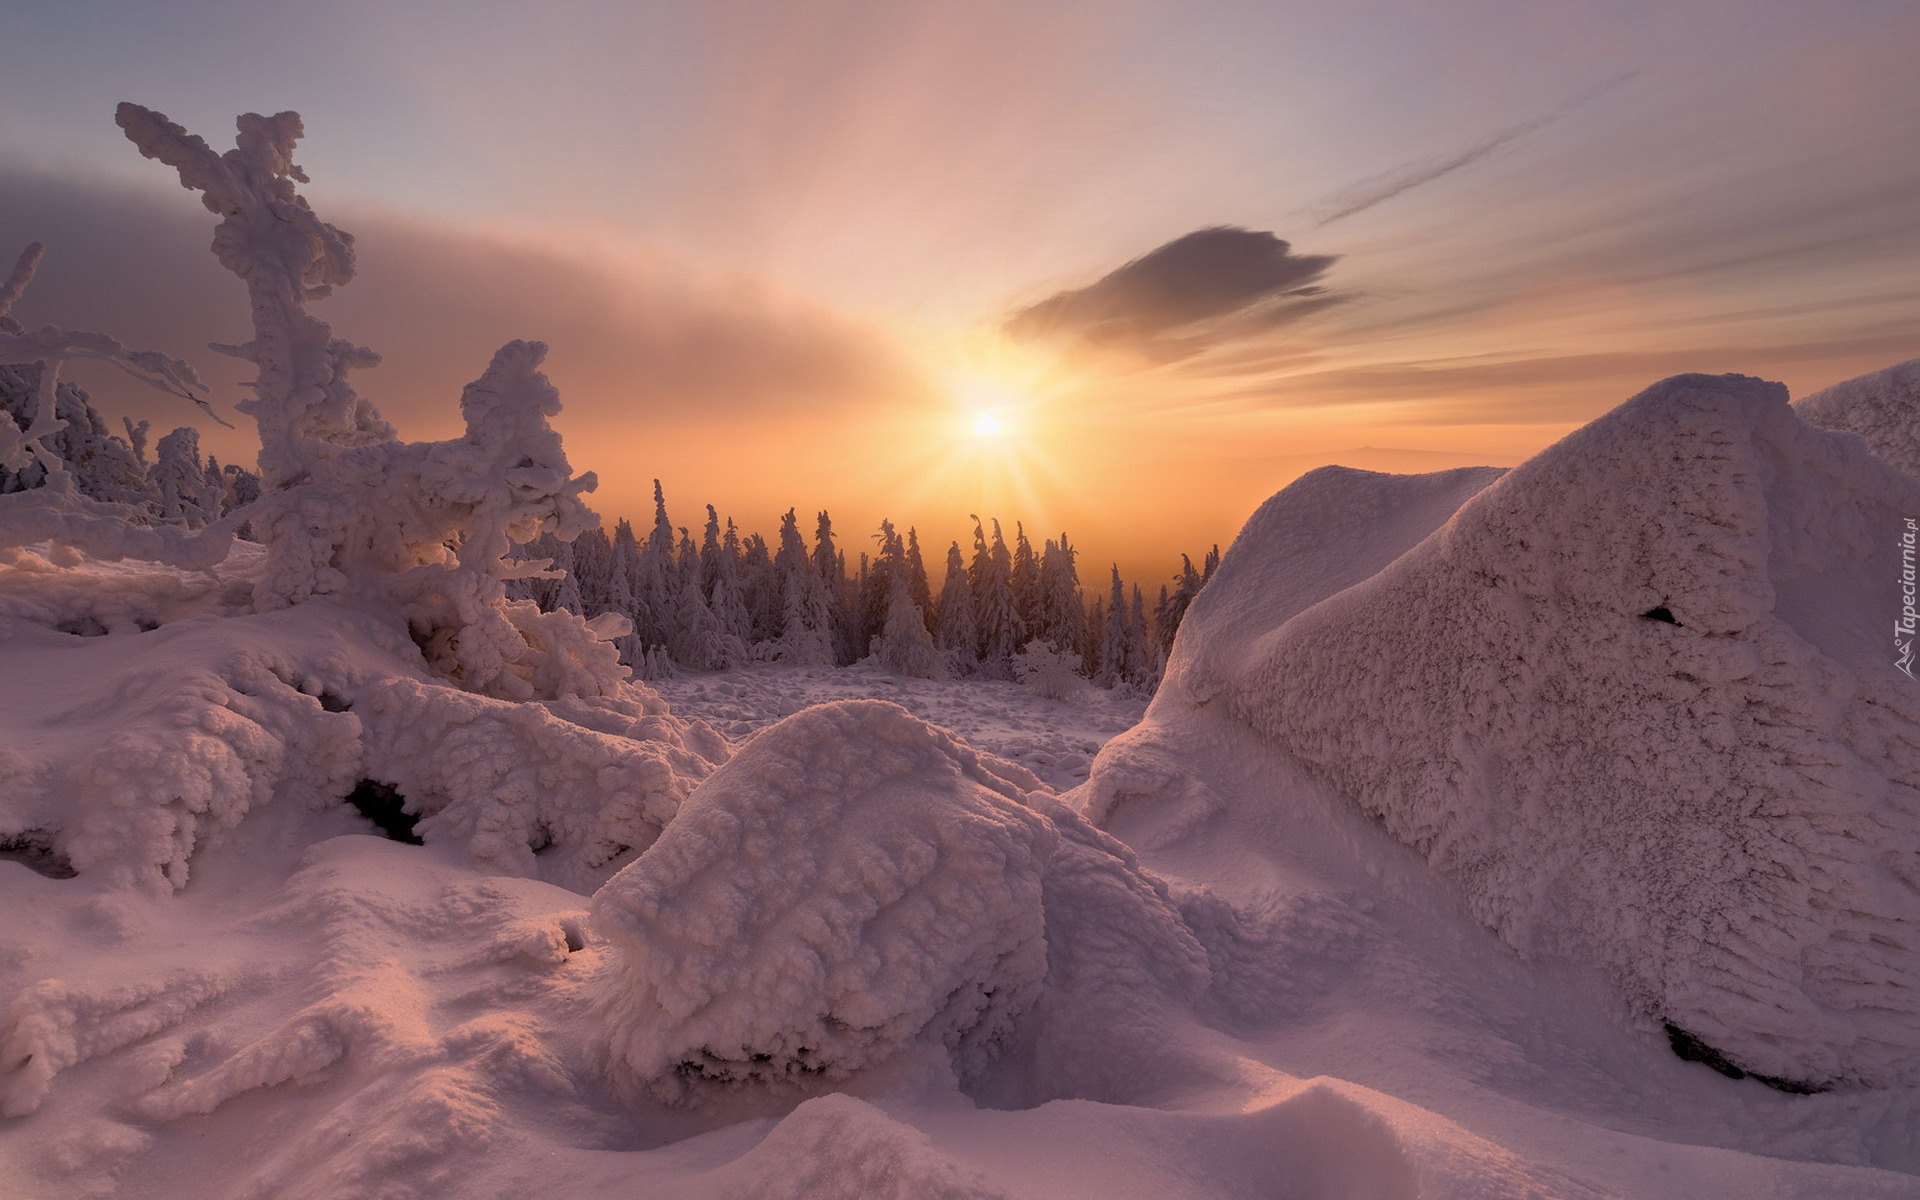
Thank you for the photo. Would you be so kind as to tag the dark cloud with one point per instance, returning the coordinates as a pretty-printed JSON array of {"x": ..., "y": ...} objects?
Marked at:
[
  {"x": 635, "y": 344},
  {"x": 1211, "y": 285}
]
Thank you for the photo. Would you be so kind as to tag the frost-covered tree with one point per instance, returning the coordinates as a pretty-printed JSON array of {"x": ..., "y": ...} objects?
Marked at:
[
  {"x": 903, "y": 645},
  {"x": 995, "y": 610},
  {"x": 849, "y": 638},
  {"x": 710, "y": 551},
  {"x": 656, "y": 591},
  {"x": 179, "y": 481},
  {"x": 1048, "y": 671},
  {"x": 1024, "y": 576},
  {"x": 347, "y": 508},
  {"x": 1062, "y": 609},
  {"x": 760, "y": 588},
  {"x": 98, "y": 464},
  {"x": 1117, "y": 660},
  {"x": 1173, "y": 605},
  {"x": 918, "y": 586},
  {"x": 69, "y": 478},
  {"x": 1094, "y": 652},
  {"x": 888, "y": 566},
  {"x": 955, "y": 631},
  {"x": 725, "y": 596},
  {"x": 1143, "y": 671},
  {"x": 806, "y": 626}
]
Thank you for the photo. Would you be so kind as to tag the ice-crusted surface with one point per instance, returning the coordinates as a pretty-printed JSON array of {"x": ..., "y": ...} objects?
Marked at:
[
  {"x": 1637, "y": 698},
  {"x": 853, "y": 880},
  {"x": 1883, "y": 407}
]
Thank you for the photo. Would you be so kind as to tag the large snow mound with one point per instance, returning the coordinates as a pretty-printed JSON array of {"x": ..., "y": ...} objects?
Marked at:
[
  {"x": 1883, "y": 407},
  {"x": 852, "y": 880},
  {"x": 1638, "y": 700},
  {"x": 856, "y": 882}
]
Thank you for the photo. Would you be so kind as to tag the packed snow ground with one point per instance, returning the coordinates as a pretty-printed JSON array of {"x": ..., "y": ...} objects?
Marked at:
[{"x": 1055, "y": 739}]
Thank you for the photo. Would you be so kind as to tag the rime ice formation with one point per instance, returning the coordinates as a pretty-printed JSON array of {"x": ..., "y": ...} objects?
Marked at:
[
  {"x": 1882, "y": 407},
  {"x": 851, "y": 881},
  {"x": 346, "y": 508},
  {"x": 1637, "y": 699}
]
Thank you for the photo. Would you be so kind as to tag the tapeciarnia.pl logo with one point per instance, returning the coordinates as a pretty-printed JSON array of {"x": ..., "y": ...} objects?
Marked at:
[{"x": 1903, "y": 629}]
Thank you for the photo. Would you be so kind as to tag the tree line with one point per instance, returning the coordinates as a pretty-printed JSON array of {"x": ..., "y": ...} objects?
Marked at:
[
  {"x": 172, "y": 486},
  {"x": 732, "y": 599}
]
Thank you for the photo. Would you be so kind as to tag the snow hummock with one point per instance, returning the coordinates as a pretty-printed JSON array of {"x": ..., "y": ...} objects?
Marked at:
[
  {"x": 853, "y": 880},
  {"x": 1636, "y": 699}
]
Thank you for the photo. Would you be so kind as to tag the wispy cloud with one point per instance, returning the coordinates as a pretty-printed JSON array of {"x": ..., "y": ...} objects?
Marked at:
[{"x": 1389, "y": 184}]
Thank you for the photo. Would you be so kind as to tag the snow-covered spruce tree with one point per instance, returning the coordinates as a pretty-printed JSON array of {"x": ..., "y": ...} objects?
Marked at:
[
  {"x": 760, "y": 588},
  {"x": 1024, "y": 576},
  {"x": 179, "y": 481},
  {"x": 1063, "y": 611},
  {"x": 346, "y": 508},
  {"x": 903, "y": 645},
  {"x": 849, "y": 639},
  {"x": 918, "y": 586},
  {"x": 995, "y": 609},
  {"x": 1117, "y": 653},
  {"x": 806, "y": 627},
  {"x": 726, "y": 596},
  {"x": 874, "y": 606},
  {"x": 655, "y": 590},
  {"x": 711, "y": 551},
  {"x": 1143, "y": 662},
  {"x": 1094, "y": 652},
  {"x": 955, "y": 631}
]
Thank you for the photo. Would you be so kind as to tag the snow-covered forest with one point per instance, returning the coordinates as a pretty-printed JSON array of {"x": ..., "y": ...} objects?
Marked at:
[
  {"x": 998, "y": 613},
  {"x": 1551, "y": 832}
]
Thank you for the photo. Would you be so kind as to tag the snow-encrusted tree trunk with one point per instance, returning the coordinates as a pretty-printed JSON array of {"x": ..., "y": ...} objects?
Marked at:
[{"x": 345, "y": 507}]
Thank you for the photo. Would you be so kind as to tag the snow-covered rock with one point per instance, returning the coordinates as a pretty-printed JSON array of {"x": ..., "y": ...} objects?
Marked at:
[
  {"x": 1882, "y": 407},
  {"x": 1637, "y": 699}
]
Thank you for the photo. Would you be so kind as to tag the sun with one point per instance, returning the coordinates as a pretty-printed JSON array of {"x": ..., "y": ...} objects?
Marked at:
[{"x": 988, "y": 425}]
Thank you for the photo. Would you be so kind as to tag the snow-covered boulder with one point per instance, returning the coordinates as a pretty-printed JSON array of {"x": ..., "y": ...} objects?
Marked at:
[
  {"x": 853, "y": 880},
  {"x": 1882, "y": 407},
  {"x": 1638, "y": 699}
]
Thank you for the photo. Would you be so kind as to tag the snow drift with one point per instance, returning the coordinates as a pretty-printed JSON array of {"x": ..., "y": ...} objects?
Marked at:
[{"x": 1636, "y": 698}]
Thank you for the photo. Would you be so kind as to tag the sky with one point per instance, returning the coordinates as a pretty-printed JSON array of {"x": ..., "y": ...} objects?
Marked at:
[{"x": 791, "y": 254}]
